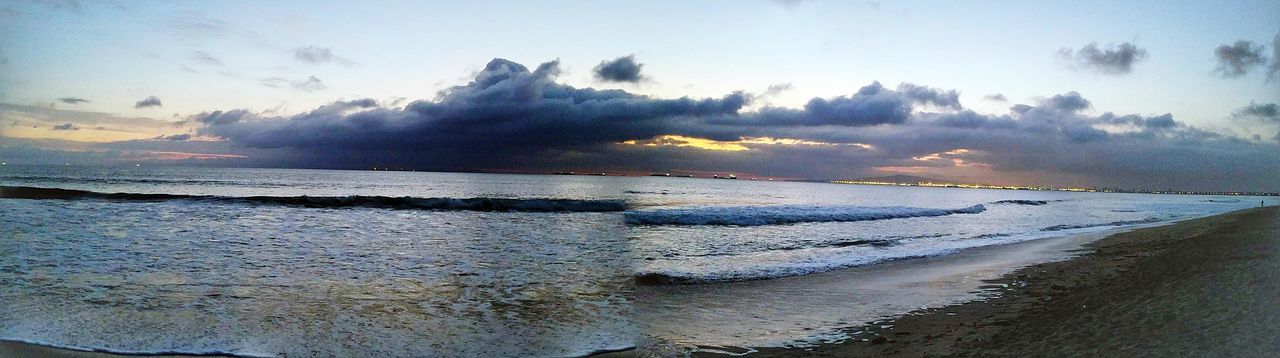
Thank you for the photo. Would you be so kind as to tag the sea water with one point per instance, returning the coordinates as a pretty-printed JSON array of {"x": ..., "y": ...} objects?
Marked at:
[{"x": 321, "y": 263}]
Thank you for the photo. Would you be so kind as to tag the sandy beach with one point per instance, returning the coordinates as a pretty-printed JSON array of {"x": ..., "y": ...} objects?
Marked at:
[{"x": 1204, "y": 287}]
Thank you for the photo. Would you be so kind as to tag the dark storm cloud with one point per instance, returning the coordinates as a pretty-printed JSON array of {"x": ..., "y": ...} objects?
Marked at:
[
  {"x": 996, "y": 97},
  {"x": 1114, "y": 60},
  {"x": 150, "y": 101},
  {"x": 622, "y": 69},
  {"x": 513, "y": 117},
  {"x": 1238, "y": 59},
  {"x": 72, "y": 100},
  {"x": 871, "y": 105},
  {"x": 507, "y": 109},
  {"x": 65, "y": 127}
]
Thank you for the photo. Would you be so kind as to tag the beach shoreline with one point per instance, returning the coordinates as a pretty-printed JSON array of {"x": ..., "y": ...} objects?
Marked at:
[
  {"x": 1203, "y": 286},
  {"x": 1052, "y": 307}
]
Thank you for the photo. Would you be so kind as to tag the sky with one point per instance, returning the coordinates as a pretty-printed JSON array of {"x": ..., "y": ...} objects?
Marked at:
[{"x": 1144, "y": 94}]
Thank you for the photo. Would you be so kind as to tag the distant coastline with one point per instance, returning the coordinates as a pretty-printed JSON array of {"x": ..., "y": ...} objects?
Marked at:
[{"x": 902, "y": 180}]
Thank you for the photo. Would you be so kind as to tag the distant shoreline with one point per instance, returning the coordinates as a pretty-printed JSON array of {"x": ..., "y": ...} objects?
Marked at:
[
  {"x": 1073, "y": 190},
  {"x": 704, "y": 175},
  {"x": 1209, "y": 284}
]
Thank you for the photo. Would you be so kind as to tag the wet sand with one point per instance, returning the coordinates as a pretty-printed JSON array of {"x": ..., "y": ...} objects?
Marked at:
[
  {"x": 1203, "y": 287},
  {"x": 12, "y": 349},
  {"x": 732, "y": 316}
]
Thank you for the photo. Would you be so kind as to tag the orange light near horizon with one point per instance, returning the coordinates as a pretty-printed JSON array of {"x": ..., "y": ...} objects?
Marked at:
[
  {"x": 744, "y": 143},
  {"x": 187, "y": 156},
  {"x": 80, "y": 134},
  {"x": 939, "y": 155}
]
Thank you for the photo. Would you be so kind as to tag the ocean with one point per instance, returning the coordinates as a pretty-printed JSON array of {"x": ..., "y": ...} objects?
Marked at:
[{"x": 268, "y": 262}]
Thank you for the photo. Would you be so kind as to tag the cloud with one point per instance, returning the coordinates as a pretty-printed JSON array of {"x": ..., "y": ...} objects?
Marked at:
[
  {"x": 777, "y": 89},
  {"x": 175, "y": 137},
  {"x": 996, "y": 97},
  {"x": 512, "y": 117},
  {"x": 505, "y": 100},
  {"x": 45, "y": 116},
  {"x": 1238, "y": 59},
  {"x": 621, "y": 69},
  {"x": 72, "y": 100},
  {"x": 195, "y": 29},
  {"x": 150, "y": 101},
  {"x": 221, "y": 117},
  {"x": 273, "y": 82},
  {"x": 932, "y": 96},
  {"x": 311, "y": 84},
  {"x": 1114, "y": 60},
  {"x": 1067, "y": 102},
  {"x": 205, "y": 58},
  {"x": 313, "y": 54},
  {"x": 318, "y": 55},
  {"x": 1274, "y": 71},
  {"x": 65, "y": 127},
  {"x": 1267, "y": 112},
  {"x": 187, "y": 153}
]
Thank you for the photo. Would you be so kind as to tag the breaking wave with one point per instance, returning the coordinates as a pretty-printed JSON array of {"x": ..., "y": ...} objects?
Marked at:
[
  {"x": 783, "y": 214},
  {"x": 1113, "y": 223},
  {"x": 1025, "y": 202},
  {"x": 381, "y": 202},
  {"x": 1222, "y": 200}
]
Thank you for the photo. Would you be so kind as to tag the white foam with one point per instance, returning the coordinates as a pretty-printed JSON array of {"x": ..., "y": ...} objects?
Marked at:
[
  {"x": 776, "y": 264},
  {"x": 783, "y": 214},
  {"x": 211, "y": 353}
]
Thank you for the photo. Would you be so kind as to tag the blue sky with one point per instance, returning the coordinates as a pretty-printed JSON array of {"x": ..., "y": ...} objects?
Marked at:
[
  {"x": 202, "y": 56},
  {"x": 115, "y": 54}
]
